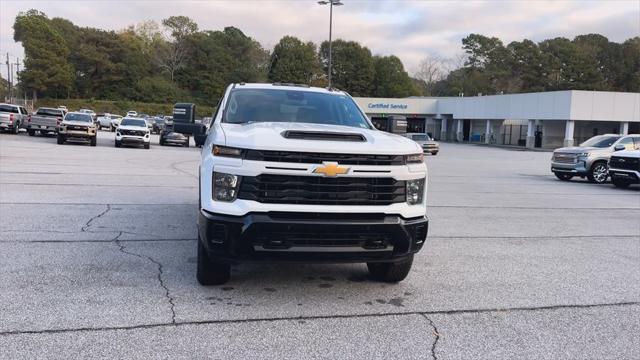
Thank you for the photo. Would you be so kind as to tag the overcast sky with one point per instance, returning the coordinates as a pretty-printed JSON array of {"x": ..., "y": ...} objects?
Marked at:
[{"x": 407, "y": 29}]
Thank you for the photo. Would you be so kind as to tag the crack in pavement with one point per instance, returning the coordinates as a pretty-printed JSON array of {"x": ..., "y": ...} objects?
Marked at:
[
  {"x": 167, "y": 294},
  {"x": 88, "y": 223},
  {"x": 316, "y": 317},
  {"x": 436, "y": 333}
]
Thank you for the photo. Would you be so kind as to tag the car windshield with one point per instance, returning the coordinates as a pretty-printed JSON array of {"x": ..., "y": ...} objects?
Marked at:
[
  {"x": 600, "y": 141},
  {"x": 133, "y": 122},
  {"x": 420, "y": 137},
  {"x": 8, "y": 108},
  {"x": 78, "y": 117},
  {"x": 270, "y": 105},
  {"x": 49, "y": 112}
]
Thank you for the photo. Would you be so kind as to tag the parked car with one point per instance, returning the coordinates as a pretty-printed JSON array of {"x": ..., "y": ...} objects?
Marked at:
[
  {"x": 45, "y": 121},
  {"x": 132, "y": 113},
  {"x": 158, "y": 124},
  {"x": 12, "y": 117},
  {"x": 624, "y": 167},
  {"x": 425, "y": 141},
  {"x": 62, "y": 107},
  {"x": 115, "y": 122},
  {"x": 133, "y": 131},
  {"x": 105, "y": 120},
  {"x": 77, "y": 126},
  {"x": 301, "y": 174},
  {"x": 590, "y": 158}
]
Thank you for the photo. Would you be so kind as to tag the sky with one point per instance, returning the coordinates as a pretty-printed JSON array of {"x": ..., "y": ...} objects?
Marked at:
[{"x": 409, "y": 29}]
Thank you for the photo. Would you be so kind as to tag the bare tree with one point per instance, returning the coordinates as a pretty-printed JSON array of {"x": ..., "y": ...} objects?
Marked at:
[{"x": 431, "y": 70}]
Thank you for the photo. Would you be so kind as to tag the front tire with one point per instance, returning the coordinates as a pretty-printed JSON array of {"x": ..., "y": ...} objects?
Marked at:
[
  {"x": 209, "y": 272},
  {"x": 598, "y": 173},
  {"x": 118, "y": 143},
  {"x": 60, "y": 139},
  {"x": 31, "y": 132},
  {"x": 620, "y": 183},
  {"x": 563, "y": 177},
  {"x": 93, "y": 141},
  {"x": 391, "y": 272},
  {"x": 434, "y": 153},
  {"x": 147, "y": 145}
]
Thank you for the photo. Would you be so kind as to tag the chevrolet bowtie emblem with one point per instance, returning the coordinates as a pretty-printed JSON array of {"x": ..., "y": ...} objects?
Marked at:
[{"x": 331, "y": 169}]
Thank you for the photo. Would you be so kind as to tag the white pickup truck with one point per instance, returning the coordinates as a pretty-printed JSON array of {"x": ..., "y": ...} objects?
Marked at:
[
  {"x": 293, "y": 173},
  {"x": 45, "y": 120},
  {"x": 12, "y": 117}
]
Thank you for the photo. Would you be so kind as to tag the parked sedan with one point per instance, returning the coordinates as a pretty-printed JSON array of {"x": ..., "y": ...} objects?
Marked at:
[{"x": 105, "y": 120}]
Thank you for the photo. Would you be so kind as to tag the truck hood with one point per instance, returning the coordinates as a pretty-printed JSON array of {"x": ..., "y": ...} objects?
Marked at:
[
  {"x": 269, "y": 136},
  {"x": 577, "y": 149},
  {"x": 77, "y": 123},
  {"x": 128, "y": 127}
]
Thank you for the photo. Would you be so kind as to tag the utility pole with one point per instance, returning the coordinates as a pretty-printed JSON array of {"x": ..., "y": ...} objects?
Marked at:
[
  {"x": 331, "y": 4},
  {"x": 8, "y": 76}
]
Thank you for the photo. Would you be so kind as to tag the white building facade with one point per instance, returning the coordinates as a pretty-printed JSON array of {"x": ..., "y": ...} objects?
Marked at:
[{"x": 542, "y": 120}]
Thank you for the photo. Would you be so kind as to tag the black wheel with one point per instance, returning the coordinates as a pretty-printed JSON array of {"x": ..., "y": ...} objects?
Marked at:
[
  {"x": 31, "y": 132},
  {"x": 118, "y": 143},
  {"x": 16, "y": 128},
  {"x": 209, "y": 272},
  {"x": 93, "y": 141},
  {"x": 563, "y": 176},
  {"x": 621, "y": 183},
  {"x": 391, "y": 272},
  {"x": 147, "y": 145},
  {"x": 60, "y": 139},
  {"x": 186, "y": 143},
  {"x": 598, "y": 173},
  {"x": 112, "y": 129},
  {"x": 434, "y": 153}
]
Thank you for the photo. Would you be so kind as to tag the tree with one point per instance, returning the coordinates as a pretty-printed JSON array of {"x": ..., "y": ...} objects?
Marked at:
[
  {"x": 46, "y": 70},
  {"x": 391, "y": 80},
  {"x": 293, "y": 61},
  {"x": 430, "y": 70},
  {"x": 352, "y": 68},
  {"x": 173, "y": 54}
]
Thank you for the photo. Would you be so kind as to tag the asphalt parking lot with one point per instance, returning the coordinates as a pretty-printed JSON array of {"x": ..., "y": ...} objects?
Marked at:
[{"x": 97, "y": 259}]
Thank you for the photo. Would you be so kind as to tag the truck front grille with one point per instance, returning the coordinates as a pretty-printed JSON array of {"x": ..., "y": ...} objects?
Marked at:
[
  {"x": 316, "y": 190},
  {"x": 132, "y": 132},
  {"x": 624, "y": 163},
  {"x": 567, "y": 158},
  {"x": 77, "y": 128},
  {"x": 319, "y": 158}
]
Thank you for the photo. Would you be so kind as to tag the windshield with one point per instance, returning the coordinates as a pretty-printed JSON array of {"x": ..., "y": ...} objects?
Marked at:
[
  {"x": 420, "y": 137},
  {"x": 8, "y": 108},
  {"x": 78, "y": 117},
  {"x": 133, "y": 122},
  {"x": 600, "y": 141},
  {"x": 270, "y": 105},
  {"x": 49, "y": 112}
]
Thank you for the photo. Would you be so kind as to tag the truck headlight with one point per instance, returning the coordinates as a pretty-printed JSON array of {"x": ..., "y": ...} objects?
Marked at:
[
  {"x": 583, "y": 155},
  {"x": 225, "y": 187},
  {"x": 226, "y": 151},
  {"x": 415, "y": 191},
  {"x": 414, "y": 158}
]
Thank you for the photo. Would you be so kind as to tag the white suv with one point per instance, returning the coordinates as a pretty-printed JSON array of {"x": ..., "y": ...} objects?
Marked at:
[
  {"x": 133, "y": 131},
  {"x": 293, "y": 173}
]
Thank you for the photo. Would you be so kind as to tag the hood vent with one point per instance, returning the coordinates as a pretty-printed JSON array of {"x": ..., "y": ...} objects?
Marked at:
[{"x": 322, "y": 135}]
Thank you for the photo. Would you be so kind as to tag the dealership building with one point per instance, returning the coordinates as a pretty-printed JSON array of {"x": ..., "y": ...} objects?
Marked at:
[{"x": 533, "y": 120}]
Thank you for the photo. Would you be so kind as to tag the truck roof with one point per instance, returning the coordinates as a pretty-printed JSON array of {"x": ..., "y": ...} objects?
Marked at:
[{"x": 288, "y": 86}]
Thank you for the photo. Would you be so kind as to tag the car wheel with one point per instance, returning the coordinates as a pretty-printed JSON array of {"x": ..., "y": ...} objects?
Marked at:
[
  {"x": 31, "y": 132},
  {"x": 118, "y": 143},
  {"x": 598, "y": 173},
  {"x": 391, "y": 272},
  {"x": 563, "y": 177},
  {"x": 93, "y": 141},
  {"x": 60, "y": 139},
  {"x": 434, "y": 153},
  {"x": 147, "y": 145},
  {"x": 15, "y": 129},
  {"x": 209, "y": 272},
  {"x": 112, "y": 129},
  {"x": 621, "y": 183}
]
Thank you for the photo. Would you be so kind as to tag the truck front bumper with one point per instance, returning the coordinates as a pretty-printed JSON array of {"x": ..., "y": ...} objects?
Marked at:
[
  {"x": 578, "y": 168},
  {"x": 310, "y": 237},
  {"x": 624, "y": 174}
]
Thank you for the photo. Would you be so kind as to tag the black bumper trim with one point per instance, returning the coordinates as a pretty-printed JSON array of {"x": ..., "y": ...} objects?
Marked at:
[{"x": 310, "y": 237}]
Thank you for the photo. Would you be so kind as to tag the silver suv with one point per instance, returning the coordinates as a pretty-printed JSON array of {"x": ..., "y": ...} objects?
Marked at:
[{"x": 590, "y": 158}]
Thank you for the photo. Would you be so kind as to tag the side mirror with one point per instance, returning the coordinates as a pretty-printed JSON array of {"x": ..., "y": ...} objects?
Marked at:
[{"x": 619, "y": 147}]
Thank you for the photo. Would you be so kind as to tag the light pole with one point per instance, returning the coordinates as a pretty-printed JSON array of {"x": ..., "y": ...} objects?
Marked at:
[{"x": 331, "y": 4}]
